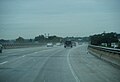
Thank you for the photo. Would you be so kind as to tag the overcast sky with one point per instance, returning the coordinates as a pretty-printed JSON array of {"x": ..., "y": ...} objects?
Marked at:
[{"x": 29, "y": 18}]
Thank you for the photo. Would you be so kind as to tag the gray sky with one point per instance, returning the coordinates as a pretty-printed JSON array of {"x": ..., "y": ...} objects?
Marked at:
[{"x": 29, "y": 18}]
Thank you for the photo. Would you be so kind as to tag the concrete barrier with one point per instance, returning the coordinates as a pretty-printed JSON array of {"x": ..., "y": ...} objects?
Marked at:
[
  {"x": 108, "y": 56},
  {"x": 20, "y": 45}
]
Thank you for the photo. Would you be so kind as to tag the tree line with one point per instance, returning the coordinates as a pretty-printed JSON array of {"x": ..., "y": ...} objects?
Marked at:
[
  {"x": 108, "y": 38},
  {"x": 40, "y": 39}
]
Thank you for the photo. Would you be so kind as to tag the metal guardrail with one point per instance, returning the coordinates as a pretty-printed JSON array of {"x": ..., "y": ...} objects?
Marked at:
[{"x": 110, "y": 50}]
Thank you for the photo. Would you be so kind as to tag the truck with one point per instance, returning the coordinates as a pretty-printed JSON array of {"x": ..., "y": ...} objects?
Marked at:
[{"x": 68, "y": 44}]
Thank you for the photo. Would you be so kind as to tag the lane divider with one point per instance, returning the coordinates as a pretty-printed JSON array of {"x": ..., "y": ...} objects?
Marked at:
[
  {"x": 35, "y": 52},
  {"x": 72, "y": 71},
  {"x": 3, "y": 62},
  {"x": 24, "y": 56}
]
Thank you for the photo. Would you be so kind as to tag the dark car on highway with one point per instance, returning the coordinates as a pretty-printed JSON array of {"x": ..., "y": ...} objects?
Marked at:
[{"x": 68, "y": 44}]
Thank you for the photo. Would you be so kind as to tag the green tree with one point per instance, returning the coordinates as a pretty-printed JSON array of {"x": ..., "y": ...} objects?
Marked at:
[
  {"x": 40, "y": 38},
  {"x": 104, "y": 38},
  {"x": 20, "y": 39}
]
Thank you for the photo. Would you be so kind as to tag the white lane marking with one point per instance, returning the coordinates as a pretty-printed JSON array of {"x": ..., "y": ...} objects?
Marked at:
[
  {"x": 35, "y": 52},
  {"x": 23, "y": 55},
  {"x": 29, "y": 54},
  {"x": 72, "y": 71},
  {"x": 3, "y": 62},
  {"x": 22, "y": 50},
  {"x": 26, "y": 55}
]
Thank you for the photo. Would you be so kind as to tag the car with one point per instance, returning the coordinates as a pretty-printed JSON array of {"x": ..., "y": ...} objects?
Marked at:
[
  {"x": 79, "y": 43},
  {"x": 1, "y": 48},
  {"x": 49, "y": 44},
  {"x": 68, "y": 44},
  {"x": 74, "y": 43},
  {"x": 58, "y": 44}
]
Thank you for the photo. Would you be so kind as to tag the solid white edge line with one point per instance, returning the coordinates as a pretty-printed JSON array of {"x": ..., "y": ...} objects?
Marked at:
[
  {"x": 72, "y": 71},
  {"x": 3, "y": 62}
]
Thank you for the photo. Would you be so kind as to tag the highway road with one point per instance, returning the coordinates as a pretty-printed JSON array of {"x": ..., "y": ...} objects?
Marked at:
[{"x": 55, "y": 64}]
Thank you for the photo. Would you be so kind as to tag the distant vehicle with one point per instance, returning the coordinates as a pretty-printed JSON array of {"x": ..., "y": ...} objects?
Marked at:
[
  {"x": 68, "y": 44},
  {"x": 58, "y": 44},
  {"x": 1, "y": 48},
  {"x": 80, "y": 43},
  {"x": 74, "y": 43},
  {"x": 49, "y": 44}
]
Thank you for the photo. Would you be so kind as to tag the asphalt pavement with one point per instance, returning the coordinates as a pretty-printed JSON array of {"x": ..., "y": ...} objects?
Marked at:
[{"x": 55, "y": 64}]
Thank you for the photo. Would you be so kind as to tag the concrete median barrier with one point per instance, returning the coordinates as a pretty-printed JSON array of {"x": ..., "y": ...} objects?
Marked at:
[
  {"x": 113, "y": 58},
  {"x": 21, "y": 45}
]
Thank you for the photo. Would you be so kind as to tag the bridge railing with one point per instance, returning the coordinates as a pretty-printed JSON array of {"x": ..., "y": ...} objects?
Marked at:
[{"x": 106, "y": 49}]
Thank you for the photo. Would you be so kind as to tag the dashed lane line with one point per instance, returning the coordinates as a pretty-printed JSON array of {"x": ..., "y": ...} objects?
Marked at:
[{"x": 3, "y": 62}]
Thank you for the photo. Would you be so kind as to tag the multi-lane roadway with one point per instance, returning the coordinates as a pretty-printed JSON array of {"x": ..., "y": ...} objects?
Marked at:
[{"x": 55, "y": 64}]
